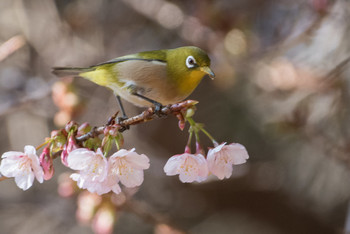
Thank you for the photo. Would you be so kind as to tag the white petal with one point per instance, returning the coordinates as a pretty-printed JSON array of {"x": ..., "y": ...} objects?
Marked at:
[
  {"x": 25, "y": 181},
  {"x": 37, "y": 169},
  {"x": 29, "y": 149},
  {"x": 187, "y": 177},
  {"x": 132, "y": 178},
  {"x": 10, "y": 167},
  {"x": 218, "y": 148},
  {"x": 116, "y": 189},
  {"x": 77, "y": 177},
  {"x": 122, "y": 153},
  {"x": 12, "y": 154},
  {"x": 138, "y": 161},
  {"x": 172, "y": 165},
  {"x": 80, "y": 159}
]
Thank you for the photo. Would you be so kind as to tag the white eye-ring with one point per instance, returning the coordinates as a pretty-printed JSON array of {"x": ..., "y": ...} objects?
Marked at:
[{"x": 190, "y": 62}]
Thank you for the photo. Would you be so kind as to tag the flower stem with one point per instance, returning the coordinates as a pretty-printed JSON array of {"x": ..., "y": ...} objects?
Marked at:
[
  {"x": 190, "y": 131},
  {"x": 209, "y": 136},
  {"x": 199, "y": 127},
  {"x": 46, "y": 142}
]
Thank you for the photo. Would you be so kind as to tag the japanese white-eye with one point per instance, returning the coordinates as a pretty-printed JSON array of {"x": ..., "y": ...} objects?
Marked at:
[{"x": 158, "y": 77}]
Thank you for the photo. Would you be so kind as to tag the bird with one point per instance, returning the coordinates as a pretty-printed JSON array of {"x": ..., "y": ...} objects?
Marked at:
[{"x": 158, "y": 77}]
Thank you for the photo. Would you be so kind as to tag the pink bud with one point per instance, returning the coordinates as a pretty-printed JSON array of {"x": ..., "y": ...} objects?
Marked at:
[
  {"x": 67, "y": 148},
  {"x": 54, "y": 133},
  {"x": 114, "y": 130},
  {"x": 46, "y": 163},
  {"x": 71, "y": 125},
  {"x": 84, "y": 128},
  {"x": 181, "y": 121}
]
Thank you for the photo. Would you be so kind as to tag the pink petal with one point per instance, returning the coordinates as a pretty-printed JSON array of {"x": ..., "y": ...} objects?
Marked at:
[
  {"x": 171, "y": 166},
  {"x": 189, "y": 167},
  {"x": 202, "y": 167},
  {"x": 238, "y": 153},
  {"x": 221, "y": 158}
]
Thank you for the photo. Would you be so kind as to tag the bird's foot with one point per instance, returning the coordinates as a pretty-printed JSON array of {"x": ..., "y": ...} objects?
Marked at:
[
  {"x": 158, "y": 110},
  {"x": 119, "y": 121}
]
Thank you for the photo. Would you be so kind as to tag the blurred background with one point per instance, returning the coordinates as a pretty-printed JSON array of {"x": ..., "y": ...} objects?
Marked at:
[{"x": 282, "y": 90}]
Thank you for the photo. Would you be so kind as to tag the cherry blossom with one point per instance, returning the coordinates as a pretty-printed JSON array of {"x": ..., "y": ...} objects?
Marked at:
[
  {"x": 23, "y": 166},
  {"x": 222, "y": 157},
  {"x": 92, "y": 170},
  {"x": 128, "y": 166},
  {"x": 189, "y": 167}
]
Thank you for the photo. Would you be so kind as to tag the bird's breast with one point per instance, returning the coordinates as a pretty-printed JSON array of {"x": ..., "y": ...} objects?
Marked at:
[{"x": 149, "y": 78}]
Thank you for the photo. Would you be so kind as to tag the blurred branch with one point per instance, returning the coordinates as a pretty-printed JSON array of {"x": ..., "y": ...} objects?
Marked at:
[
  {"x": 337, "y": 70},
  {"x": 286, "y": 45},
  {"x": 145, "y": 212},
  {"x": 305, "y": 36},
  {"x": 11, "y": 45},
  {"x": 21, "y": 102}
]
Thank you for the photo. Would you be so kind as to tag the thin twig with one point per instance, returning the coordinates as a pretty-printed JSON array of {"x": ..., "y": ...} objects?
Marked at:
[{"x": 145, "y": 116}]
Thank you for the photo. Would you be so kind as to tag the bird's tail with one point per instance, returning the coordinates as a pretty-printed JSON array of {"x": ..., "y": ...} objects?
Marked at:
[{"x": 70, "y": 71}]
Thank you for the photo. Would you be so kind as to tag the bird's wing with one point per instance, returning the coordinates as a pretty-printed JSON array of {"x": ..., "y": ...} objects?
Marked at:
[{"x": 150, "y": 56}]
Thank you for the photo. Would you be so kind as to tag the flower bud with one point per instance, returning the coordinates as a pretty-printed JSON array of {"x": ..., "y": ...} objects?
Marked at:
[
  {"x": 92, "y": 143},
  {"x": 190, "y": 112},
  {"x": 71, "y": 126},
  {"x": 181, "y": 121},
  {"x": 83, "y": 129},
  {"x": 107, "y": 143},
  {"x": 58, "y": 140},
  {"x": 46, "y": 163},
  {"x": 67, "y": 148}
]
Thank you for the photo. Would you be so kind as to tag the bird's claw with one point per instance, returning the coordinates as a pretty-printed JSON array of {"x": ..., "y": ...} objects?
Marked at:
[
  {"x": 158, "y": 110},
  {"x": 123, "y": 127}
]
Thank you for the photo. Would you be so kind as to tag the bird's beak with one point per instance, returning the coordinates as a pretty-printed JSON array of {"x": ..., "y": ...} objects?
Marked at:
[{"x": 208, "y": 71}]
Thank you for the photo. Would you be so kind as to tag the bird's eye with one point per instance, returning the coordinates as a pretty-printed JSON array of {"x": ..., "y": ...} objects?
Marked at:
[{"x": 190, "y": 62}]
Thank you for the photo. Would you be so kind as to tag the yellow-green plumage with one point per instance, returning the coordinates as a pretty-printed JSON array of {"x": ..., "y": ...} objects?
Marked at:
[{"x": 165, "y": 76}]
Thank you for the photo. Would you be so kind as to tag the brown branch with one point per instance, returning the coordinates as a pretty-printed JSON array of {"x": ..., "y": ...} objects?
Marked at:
[
  {"x": 3, "y": 177},
  {"x": 145, "y": 116}
]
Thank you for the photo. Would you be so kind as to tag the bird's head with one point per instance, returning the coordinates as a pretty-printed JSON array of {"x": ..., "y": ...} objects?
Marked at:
[{"x": 187, "y": 66}]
